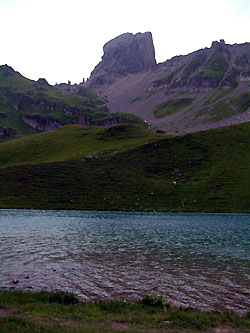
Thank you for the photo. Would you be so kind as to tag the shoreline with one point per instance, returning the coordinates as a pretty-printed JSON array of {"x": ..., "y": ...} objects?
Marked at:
[
  {"x": 130, "y": 211},
  {"x": 241, "y": 312},
  {"x": 62, "y": 312}
]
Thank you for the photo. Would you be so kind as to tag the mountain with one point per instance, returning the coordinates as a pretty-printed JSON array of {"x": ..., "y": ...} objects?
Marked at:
[
  {"x": 205, "y": 89},
  {"x": 28, "y": 107},
  {"x": 125, "y": 167}
]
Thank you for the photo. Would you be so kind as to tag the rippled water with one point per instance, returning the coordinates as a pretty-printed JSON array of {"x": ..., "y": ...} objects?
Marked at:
[{"x": 202, "y": 260}]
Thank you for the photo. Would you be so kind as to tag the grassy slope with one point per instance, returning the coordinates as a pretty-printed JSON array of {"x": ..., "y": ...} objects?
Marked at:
[
  {"x": 212, "y": 171},
  {"x": 71, "y": 142},
  {"x": 55, "y": 312}
]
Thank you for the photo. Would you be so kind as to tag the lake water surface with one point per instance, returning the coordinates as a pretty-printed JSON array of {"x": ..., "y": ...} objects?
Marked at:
[{"x": 201, "y": 260}]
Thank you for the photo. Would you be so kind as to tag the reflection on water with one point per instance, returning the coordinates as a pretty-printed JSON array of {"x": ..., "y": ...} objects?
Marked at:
[{"x": 202, "y": 260}]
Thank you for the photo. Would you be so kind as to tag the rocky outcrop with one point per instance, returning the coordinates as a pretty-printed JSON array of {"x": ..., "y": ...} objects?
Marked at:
[
  {"x": 41, "y": 124},
  {"x": 243, "y": 61},
  {"x": 44, "y": 124},
  {"x": 6, "y": 70},
  {"x": 112, "y": 120},
  {"x": 5, "y": 132},
  {"x": 42, "y": 81},
  {"x": 196, "y": 84},
  {"x": 123, "y": 55}
]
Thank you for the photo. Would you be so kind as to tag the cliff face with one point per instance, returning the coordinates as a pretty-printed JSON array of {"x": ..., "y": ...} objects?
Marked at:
[
  {"x": 123, "y": 55},
  {"x": 40, "y": 123}
]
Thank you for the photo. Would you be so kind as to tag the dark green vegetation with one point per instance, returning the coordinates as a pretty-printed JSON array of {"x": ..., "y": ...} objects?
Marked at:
[
  {"x": 216, "y": 112},
  {"x": 28, "y": 107},
  {"x": 231, "y": 78},
  {"x": 128, "y": 168},
  {"x": 194, "y": 65},
  {"x": 55, "y": 312},
  {"x": 217, "y": 108},
  {"x": 218, "y": 94},
  {"x": 243, "y": 101},
  {"x": 171, "y": 106},
  {"x": 223, "y": 110},
  {"x": 215, "y": 67}
]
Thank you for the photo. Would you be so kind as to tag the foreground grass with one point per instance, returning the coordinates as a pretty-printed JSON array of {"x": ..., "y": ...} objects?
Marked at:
[{"x": 57, "y": 312}]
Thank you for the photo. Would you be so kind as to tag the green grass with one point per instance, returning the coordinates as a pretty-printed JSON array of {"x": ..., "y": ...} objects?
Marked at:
[
  {"x": 218, "y": 94},
  {"x": 48, "y": 312},
  {"x": 171, "y": 106},
  {"x": 73, "y": 142},
  {"x": 211, "y": 168},
  {"x": 193, "y": 66},
  {"x": 220, "y": 112},
  {"x": 17, "y": 84},
  {"x": 215, "y": 68}
]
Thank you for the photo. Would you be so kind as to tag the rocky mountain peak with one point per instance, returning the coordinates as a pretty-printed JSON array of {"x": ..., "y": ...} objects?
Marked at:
[
  {"x": 6, "y": 70},
  {"x": 123, "y": 55},
  {"x": 220, "y": 43}
]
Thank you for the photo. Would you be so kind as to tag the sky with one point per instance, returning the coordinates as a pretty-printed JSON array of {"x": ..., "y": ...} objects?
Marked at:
[{"x": 63, "y": 40}]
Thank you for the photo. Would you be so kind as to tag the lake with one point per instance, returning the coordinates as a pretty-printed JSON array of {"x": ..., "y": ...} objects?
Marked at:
[{"x": 197, "y": 260}]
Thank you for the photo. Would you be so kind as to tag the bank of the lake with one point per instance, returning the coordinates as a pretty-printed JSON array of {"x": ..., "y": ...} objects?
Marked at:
[{"x": 57, "y": 312}]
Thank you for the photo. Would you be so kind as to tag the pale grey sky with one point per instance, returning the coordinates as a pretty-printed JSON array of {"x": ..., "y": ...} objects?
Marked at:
[{"x": 62, "y": 40}]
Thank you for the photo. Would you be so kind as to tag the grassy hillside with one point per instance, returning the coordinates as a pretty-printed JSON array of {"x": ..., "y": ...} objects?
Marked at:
[
  {"x": 28, "y": 107},
  {"x": 73, "y": 142},
  {"x": 134, "y": 170}
]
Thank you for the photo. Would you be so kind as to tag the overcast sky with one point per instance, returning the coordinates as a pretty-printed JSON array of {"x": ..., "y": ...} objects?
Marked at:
[{"x": 63, "y": 40}]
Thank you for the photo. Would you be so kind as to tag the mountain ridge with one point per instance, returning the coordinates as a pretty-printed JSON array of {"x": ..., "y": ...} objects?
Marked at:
[{"x": 212, "y": 78}]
